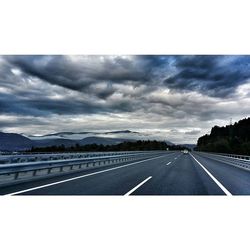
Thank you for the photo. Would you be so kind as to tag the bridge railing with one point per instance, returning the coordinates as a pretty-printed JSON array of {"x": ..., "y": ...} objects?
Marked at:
[
  {"x": 242, "y": 161},
  {"x": 243, "y": 157},
  {"x": 34, "y": 157},
  {"x": 16, "y": 172}
]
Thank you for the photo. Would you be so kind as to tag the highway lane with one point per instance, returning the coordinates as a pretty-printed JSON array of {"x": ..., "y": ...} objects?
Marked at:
[
  {"x": 183, "y": 176},
  {"x": 236, "y": 180},
  {"x": 170, "y": 174},
  {"x": 113, "y": 182},
  {"x": 86, "y": 172}
]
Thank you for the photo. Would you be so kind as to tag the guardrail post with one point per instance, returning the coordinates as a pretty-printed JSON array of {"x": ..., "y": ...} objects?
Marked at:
[
  {"x": 102, "y": 159},
  {"x": 16, "y": 175}
]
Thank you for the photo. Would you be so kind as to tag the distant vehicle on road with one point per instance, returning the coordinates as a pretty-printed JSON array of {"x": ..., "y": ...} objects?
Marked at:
[{"x": 185, "y": 151}]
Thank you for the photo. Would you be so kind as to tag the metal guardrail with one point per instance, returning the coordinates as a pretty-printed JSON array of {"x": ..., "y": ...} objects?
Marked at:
[
  {"x": 244, "y": 157},
  {"x": 10, "y": 173},
  {"x": 19, "y": 158},
  {"x": 242, "y": 161}
]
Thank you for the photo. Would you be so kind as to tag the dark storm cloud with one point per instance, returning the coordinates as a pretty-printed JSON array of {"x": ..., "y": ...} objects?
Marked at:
[
  {"x": 211, "y": 75},
  {"x": 156, "y": 91},
  {"x": 63, "y": 107},
  {"x": 24, "y": 122},
  {"x": 44, "y": 106},
  {"x": 10, "y": 104},
  {"x": 92, "y": 76},
  {"x": 52, "y": 69},
  {"x": 80, "y": 75}
]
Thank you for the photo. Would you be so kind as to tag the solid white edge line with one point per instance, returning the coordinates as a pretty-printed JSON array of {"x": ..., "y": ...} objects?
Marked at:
[
  {"x": 136, "y": 187},
  {"x": 79, "y": 177},
  {"x": 213, "y": 178}
]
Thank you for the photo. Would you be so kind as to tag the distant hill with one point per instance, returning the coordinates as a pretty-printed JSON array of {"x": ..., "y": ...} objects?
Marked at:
[
  {"x": 81, "y": 135},
  {"x": 233, "y": 139},
  {"x": 124, "y": 146},
  {"x": 14, "y": 142},
  {"x": 54, "y": 142},
  {"x": 127, "y": 134},
  {"x": 121, "y": 132},
  {"x": 85, "y": 141},
  {"x": 66, "y": 133},
  {"x": 102, "y": 140},
  {"x": 190, "y": 146},
  {"x": 19, "y": 142}
]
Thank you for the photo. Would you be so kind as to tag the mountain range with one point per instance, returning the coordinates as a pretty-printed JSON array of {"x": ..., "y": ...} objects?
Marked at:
[{"x": 19, "y": 142}]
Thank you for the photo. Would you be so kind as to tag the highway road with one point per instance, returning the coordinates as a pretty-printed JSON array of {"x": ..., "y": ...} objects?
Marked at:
[{"x": 167, "y": 174}]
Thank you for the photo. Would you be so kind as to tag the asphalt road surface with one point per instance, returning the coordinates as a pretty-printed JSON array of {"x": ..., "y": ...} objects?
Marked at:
[{"x": 168, "y": 174}]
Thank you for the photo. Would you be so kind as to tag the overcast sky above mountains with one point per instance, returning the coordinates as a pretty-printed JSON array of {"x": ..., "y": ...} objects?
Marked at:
[{"x": 178, "y": 98}]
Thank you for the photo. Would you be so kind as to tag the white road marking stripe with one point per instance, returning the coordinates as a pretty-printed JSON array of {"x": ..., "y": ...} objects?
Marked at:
[
  {"x": 136, "y": 187},
  {"x": 213, "y": 178},
  {"x": 82, "y": 176},
  {"x": 169, "y": 163},
  {"x": 175, "y": 158}
]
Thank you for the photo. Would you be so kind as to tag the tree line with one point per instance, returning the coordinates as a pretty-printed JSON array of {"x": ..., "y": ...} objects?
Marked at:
[
  {"x": 124, "y": 146},
  {"x": 234, "y": 139}
]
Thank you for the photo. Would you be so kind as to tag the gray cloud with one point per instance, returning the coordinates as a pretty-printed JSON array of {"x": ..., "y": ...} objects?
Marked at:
[
  {"x": 213, "y": 75},
  {"x": 185, "y": 94},
  {"x": 193, "y": 132},
  {"x": 85, "y": 71}
]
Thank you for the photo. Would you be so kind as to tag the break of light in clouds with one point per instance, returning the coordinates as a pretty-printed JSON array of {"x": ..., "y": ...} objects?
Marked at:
[{"x": 177, "y": 98}]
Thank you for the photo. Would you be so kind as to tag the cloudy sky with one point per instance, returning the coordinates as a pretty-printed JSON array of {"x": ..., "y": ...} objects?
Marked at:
[{"x": 177, "y": 98}]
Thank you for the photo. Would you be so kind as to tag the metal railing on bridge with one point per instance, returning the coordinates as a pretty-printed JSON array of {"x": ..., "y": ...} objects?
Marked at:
[
  {"x": 242, "y": 161},
  {"x": 24, "y": 167}
]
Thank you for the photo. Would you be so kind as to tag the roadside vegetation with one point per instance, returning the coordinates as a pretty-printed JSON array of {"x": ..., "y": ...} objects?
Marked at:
[
  {"x": 124, "y": 146},
  {"x": 234, "y": 139}
]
